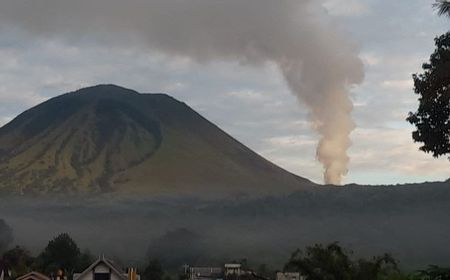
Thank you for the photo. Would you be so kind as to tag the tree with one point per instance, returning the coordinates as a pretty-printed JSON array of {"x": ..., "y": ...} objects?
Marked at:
[
  {"x": 322, "y": 262},
  {"x": 153, "y": 271},
  {"x": 18, "y": 260},
  {"x": 434, "y": 272},
  {"x": 331, "y": 262},
  {"x": 380, "y": 267},
  {"x": 443, "y": 7},
  {"x": 85, "y": 260},
  {"x": 61, "y": 253},
  {"x": 432, "y": 118}
]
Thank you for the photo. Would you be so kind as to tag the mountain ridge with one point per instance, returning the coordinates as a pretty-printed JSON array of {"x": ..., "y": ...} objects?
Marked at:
[{"x": 108, "y": 138}]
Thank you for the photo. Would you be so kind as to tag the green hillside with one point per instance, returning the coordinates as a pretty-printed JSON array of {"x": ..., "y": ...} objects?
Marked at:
[{"x": 111, "y": 139}]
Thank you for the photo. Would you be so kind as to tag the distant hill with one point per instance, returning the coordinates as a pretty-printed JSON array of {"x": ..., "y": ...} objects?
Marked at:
[{"x": 111, "y": 139}]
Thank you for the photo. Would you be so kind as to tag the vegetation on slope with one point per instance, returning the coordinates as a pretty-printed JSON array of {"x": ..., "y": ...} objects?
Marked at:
[{"x": 107, "y": 138}]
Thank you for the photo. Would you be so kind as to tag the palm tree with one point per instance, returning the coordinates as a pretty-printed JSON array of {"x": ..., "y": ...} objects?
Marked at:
[{"x": 443, "y": 7}]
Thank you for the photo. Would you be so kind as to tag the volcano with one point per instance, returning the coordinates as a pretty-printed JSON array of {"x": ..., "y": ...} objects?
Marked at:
[{"x": 110, "y": 139}]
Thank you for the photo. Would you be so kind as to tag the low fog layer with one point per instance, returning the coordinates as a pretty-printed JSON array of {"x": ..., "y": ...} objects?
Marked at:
[
  {"x": 409, "y": 221},
  {"x": 6, "y": 236}
]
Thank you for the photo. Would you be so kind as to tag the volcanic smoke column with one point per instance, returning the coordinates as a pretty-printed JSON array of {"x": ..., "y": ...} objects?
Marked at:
[
  {"x": 330, "y": 115},
  {"x": 318, "y": 61},
  {"x": 324, "y": 87}
]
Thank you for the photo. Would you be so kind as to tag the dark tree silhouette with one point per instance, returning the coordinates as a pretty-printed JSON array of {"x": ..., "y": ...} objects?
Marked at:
[
  {"x": 434, "y": 272},
  {"x": 153, "y": 271},
  {"x": 332, "y": 262},
  {"x": 322, "y": 262},
  {"x": 18, "y": 260},
  {"x": 443, "y": 7},
  {"x": 63, "y": 253},
  {"x": 432, "y": 118},
  {"x": 377, "y": 268}
]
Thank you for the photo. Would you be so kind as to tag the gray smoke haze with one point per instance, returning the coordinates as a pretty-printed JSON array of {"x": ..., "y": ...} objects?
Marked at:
[{"x": 317, "y": 61}]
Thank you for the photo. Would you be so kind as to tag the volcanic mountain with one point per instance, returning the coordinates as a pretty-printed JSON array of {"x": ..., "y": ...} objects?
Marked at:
[{"x": 111, "y": 139}]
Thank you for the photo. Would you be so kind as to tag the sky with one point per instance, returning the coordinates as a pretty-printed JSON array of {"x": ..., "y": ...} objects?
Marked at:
[{"x": 250, "y": 101}]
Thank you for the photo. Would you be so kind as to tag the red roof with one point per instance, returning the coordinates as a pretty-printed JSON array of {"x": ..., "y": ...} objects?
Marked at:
[{"x": 34, "y": 276}]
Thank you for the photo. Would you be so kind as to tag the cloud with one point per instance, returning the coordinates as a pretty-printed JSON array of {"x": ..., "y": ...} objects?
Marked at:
[
  {"x": 294, "y": 153},
  {"x": 289, "y": 142},
  {"x": 347, "y": 7},
  {"x": 175, "y": 86},
  {"x": 392, "y": 150},
  {"x": 9, "y": 59},
  {"x": 370, "y": 58},
  {"x": 249, "y": 95},
  {"x": 398, "y": 84},
  {"x": 4, "y": 120}
]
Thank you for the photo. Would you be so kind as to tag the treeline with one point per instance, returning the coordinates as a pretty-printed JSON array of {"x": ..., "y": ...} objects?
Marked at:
[
  {"x": 333, "y": 262},
  {"x": 317, "y": 262},
  {"x": 61, "y": 253}
]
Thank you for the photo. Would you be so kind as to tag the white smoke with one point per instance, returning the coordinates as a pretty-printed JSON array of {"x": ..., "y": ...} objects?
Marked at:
[{"x": 317, "y": 61}]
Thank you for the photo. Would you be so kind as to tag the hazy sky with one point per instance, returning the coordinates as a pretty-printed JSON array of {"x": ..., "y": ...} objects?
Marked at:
[{"x": 249, "y": 101}]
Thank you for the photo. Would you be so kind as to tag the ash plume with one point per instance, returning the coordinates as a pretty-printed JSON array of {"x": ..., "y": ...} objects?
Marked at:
[{"x": 318, "y": 62}]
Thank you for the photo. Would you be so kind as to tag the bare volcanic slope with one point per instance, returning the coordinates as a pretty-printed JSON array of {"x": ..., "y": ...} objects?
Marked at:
[{"x": 111, "y": 139}]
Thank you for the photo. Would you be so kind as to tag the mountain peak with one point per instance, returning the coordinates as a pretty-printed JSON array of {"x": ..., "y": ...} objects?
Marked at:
[
  {"x": 105, "y": 89},
  {"x": 108, "y": 138}
]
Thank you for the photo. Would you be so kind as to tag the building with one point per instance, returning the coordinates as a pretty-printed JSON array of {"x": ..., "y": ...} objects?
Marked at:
[
  {"x": 5, "y": 272},
  {"x": 232, "y": 269},
  {"x": 205, "y": 273},
  {"x": 104, "y": 269},
  {"x": 290, "y": 276},
  {"x": 228, "y": 271},
  {"x": 33, "y": 276}
]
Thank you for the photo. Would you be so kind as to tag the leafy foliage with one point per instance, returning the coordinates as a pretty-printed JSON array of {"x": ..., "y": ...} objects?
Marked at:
[
  {"x": 434, "y": 272},
  {"x": 332, "y": 262},
  {"x": 319, "y": 262},
  {"x": 63, "y": 253},
  {"x": 380, "y": 267},
  {"x": 432, "y": 118},
  {"x": 18, "y": 260},
  {"x": 153, "y": 271},
  {"x": 443, "y": 7}
]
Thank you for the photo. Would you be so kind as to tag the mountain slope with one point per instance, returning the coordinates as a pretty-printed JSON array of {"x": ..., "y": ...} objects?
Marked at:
[{"x": 111, "y": 139}]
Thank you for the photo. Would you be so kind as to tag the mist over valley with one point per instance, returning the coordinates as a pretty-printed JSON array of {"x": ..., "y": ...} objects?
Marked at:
[{"x": 240, "y": 206}]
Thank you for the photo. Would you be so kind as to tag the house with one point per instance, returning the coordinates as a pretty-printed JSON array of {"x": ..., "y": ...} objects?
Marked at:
[
  {"x": 104, "y": 269},
  {"x": 205, "y": 273},
  {"x": 228, "y": 271},
  {"x": 232, "y": 269},
  {"x": 33, "y": 276},
  {"x": 5, "y": 272},
  {"x": 290, "y": 276}
]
